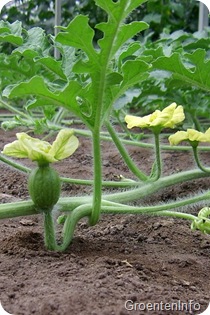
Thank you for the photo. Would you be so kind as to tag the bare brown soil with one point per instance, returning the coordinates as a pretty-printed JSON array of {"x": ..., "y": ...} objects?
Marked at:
[{"x": 138, "y": 259}]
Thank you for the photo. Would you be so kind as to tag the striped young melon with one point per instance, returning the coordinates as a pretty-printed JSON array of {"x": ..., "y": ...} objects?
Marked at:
[{"x": 44, "y": 187}]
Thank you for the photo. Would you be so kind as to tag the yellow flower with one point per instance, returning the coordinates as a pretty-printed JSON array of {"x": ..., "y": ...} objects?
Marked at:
[
  {"x": 42, "y": 151},
  {"x": 169, "y": 117},
  {"x": 191, "y": 135}
]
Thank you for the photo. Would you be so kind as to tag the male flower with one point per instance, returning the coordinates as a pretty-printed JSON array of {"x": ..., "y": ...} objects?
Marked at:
[
  {"x": 191, "y": 135},
  {"x": 169, "y": 117}
]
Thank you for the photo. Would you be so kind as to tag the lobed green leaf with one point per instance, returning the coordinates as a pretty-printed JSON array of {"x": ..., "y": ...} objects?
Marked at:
[
  {"x": 125, "y": 32},
  {"x": 80, "y": 35},
  {"x": 35, "y": 44},
  {"x": 52, "y": 65},
  {"x": 114, "y": 28},
  {"x": 37, "y": 86},
  {"x": 14, "y": 69},
  {"x": 89, "y": 77},
  {"x": 196, "y": 72},
  {"x": 11, "y": 33}
]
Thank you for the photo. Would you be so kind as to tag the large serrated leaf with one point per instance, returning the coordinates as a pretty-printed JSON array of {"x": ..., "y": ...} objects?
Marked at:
[
  {"x": 52, "y": 65},
  {"x": 134, "y": 72},
  {"x": 67, "y": 97},
  {"x": 37, "y": 86},
  {"x": 89, "y": 77},
  {"x": 115, "y": 28},
  {"x": 121, "y": 8},
  {"x": 11, "y": 33},
  {"x": 36, "y": 44},
  {"x": 80, "y": 35},
  {"x": 197, "y": 74},
  {"x": 127, "y": 52},
  {"x": 68, "y": 60},
  {"x": 14, "y": 69},
  {"x": 125, "y": 32}
]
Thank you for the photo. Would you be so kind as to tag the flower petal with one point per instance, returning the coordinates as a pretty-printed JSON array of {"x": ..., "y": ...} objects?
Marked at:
[
  {"x": 177, "y": 116},
  {"x": 195, "y": 135},
  {"x": 178, "y": 137},
  {"x": 15, "y": 149},
  {"x": 134, "y": 121},
  {"x": 207, "y": 135},
  {"x": 64, "y": 145},
  {"x": 36, "y": 149},
  {"x": 159, "y": 118}
]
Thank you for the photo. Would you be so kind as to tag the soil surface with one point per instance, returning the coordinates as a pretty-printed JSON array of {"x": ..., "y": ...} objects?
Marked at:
[{"x": 126, "y": 264}]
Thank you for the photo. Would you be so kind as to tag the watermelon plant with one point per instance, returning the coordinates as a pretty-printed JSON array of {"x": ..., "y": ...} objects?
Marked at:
[{"x": 88, "y": 82}]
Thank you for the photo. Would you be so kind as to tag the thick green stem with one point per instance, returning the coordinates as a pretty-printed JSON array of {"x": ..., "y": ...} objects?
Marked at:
[
  {"x": 75, "y": 181},
  {"x": 85, "y": 210},
  {"x": 88, "y": 182},
  {"x": 147, "y": 189},
  {"x": 151, "y": 187},
  {"x": 158, "y": 163},
  {"x": 126, "y": 157},
  {"x": 49, "y": 230},
  {"x": 109, "y": 207},
  {"x": 13, "y": 109},
  {"x": 16, "y": 165},
  {"x": 17, "y": 209},
  {"x": 97, "y": 184},
  {"x": 154, "y": 208},
  {"x": 23, "y": 208},
  {"x": 71, "y": 222},
  {"x": 197, "y": 160},
  {"x": 177, "y": 215}
]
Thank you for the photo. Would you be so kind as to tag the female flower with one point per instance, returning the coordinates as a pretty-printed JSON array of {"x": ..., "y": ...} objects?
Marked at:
[
  {"x": 42, "y": 151},
  {"x": 169, "y": 117}
]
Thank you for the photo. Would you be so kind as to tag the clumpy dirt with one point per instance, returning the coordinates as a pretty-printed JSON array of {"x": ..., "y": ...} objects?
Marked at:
[{"x": 126, "y": 264}]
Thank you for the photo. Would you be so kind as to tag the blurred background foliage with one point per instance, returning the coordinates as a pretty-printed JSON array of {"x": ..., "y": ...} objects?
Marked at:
[{"x": 170, "y": 15}]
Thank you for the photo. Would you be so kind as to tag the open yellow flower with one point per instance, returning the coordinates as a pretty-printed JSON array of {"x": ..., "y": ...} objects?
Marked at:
[
  {"x": 191, "y": 135},
  {"x": 42, "y": 151},
  {"x": 169, "y": 117}
]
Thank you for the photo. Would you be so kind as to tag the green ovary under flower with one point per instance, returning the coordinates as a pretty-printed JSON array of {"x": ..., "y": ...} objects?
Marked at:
[
  {"x": 64, "y": 145},
  {"x": 191, "y": 135},
  {"x": 169, "y": 117}
]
